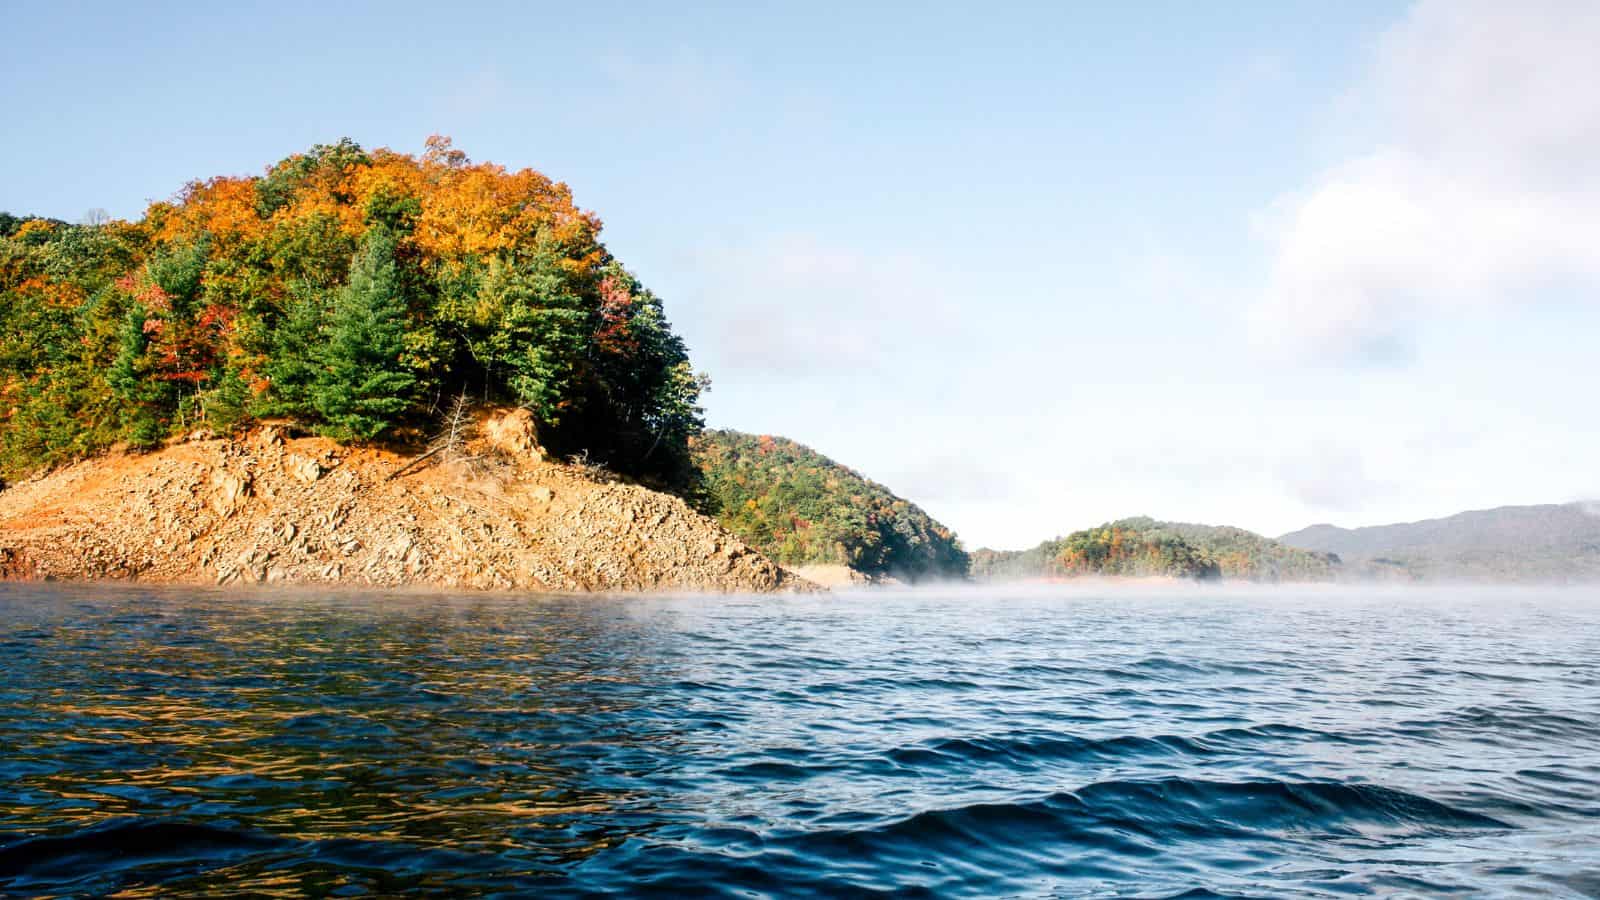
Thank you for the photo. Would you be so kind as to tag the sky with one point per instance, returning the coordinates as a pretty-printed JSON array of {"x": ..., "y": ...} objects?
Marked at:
[{"x": 1031, "y": 266}]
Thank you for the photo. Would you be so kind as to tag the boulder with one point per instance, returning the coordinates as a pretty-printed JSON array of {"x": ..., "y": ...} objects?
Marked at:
[{"x": 513, "y": 433}]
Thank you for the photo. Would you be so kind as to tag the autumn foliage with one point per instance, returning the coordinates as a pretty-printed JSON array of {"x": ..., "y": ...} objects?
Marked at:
[
  {"x": 1144, "y": 547},
  {"x": 353, "y": 291}
]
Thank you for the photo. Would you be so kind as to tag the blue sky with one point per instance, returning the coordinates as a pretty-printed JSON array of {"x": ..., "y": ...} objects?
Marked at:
[{"x": 1032, "y": 266}]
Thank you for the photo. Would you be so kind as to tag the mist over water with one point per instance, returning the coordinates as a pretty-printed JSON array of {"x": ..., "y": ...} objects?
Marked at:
[{"x": 1083, "y": 741}]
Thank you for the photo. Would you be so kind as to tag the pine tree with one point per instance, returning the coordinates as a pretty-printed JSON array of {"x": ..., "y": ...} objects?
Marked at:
[
  {"x": 361, "y": 386},
  {"x": 291, "y": 364},
  {"x": 143, "y": 398}
]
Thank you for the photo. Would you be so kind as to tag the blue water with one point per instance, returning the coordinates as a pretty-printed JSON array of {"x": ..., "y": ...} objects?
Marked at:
[{"x": 1174, "y": 742}]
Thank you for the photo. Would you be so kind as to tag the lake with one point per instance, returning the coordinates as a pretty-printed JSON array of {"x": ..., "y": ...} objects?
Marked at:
[{"x": 1142, "y": 742}]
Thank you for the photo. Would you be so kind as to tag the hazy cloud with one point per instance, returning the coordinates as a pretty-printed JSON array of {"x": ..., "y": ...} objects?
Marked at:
[
  {"x": 952, "y": 478},
  {"x": 681, "y": 82},
  {"x": 1329, "y": 476},
  {"x": 1239, "y": 92},
  {"x": 1480, "y": 190},
  {"x": 797, "y": 305},
  {"x": 478, "y": 93}
]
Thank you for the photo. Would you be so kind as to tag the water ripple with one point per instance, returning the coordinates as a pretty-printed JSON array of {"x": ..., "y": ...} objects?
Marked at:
[{"x": 1194, "y": 745}]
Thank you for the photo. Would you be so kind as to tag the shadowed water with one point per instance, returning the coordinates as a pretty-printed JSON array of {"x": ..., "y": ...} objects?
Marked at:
[{"x": 1264, "y": 743}]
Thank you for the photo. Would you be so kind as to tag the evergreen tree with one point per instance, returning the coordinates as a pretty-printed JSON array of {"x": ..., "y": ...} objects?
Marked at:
[
  {"x": 144, "y": 399},
  {"x": 361, "y": 386},
  {"x": 525, "y": 325},
  {"x": 291, "y": 364},
  {"x": 227, "y": 404}
]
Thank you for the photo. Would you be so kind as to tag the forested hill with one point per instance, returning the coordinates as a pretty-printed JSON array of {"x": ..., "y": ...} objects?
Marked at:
[
  {"x": 1145, "y": 547},
  {"x": 352, "y": 291},
  {"x": 801, "y": 507},
  {"x": 1520, "y": 543},
  {"x": 1246, "y": 555}
]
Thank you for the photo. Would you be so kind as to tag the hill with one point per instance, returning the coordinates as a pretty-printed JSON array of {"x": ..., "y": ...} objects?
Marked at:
[
  {"x": 1142, "y": 546},
  {"x": 804, "y": 509},
  {"x": 1249, "y": 556},
  {"x": 227, "y": 389},
  {"x": 1553, "y": 542}
]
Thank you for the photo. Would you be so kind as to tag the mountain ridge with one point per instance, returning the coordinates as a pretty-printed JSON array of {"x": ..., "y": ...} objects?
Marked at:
[{"x": 1553, "y": 541}]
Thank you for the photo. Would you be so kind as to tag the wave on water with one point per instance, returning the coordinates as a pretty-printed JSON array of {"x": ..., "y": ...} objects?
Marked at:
[
  {"x": 1090, "y": 833},
  {"x": 1139, "y": 818},
  {"x": 918, "y": 745},
  {"x": 99, "y": 851}
]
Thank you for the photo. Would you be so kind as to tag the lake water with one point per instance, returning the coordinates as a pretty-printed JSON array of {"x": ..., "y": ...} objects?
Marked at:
[{"x": 1172, "y": 742}]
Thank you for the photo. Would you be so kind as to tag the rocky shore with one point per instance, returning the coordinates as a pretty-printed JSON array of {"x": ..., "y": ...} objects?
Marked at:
[{"x": 270, "y": 507}]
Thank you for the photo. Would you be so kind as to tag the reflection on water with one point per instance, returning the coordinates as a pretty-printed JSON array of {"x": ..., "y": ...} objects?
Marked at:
[
  {"x": 183, "y": 742},
  {"x": 406, "y": 723}
]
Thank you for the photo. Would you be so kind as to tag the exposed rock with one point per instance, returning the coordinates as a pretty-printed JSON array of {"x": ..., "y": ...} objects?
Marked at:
[
  {"x": 304, "y": 468},
  {"x": 250, "y": 510},
  {"x": 513, "y": 433},
  {"x": 228, "y": 492}
]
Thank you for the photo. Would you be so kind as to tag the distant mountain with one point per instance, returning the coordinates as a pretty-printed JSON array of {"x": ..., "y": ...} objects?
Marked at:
[
  {"x": 1510, "y": 543},
  {"x": 803, "y": 509},
  {"x": 1142, "y": 546}
]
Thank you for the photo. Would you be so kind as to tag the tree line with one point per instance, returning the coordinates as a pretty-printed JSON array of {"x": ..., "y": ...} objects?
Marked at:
[{"x": 355, "y": 292}]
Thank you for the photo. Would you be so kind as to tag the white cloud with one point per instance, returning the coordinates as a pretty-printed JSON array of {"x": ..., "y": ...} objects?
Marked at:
[{"x": 1481, "y": 189}]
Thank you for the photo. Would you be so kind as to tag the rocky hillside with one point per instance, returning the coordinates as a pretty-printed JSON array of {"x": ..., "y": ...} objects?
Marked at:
[
  {"x": 275, "y": 508},
  {"x": 1552, "y": 542}
]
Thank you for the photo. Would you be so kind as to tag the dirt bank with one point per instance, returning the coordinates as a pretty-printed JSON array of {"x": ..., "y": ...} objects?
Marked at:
[{"x": 273, "y": 508}]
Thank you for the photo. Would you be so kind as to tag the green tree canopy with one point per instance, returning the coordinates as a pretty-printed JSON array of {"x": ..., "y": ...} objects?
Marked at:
[
  {"x": 347, "y": 289},
  {"x": 800, "y": 507}
]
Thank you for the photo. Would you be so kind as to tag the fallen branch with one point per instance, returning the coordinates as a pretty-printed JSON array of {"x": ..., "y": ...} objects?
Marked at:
[
  {"x": 416, "y": 461},
  {"x": 452, "y": 441}
]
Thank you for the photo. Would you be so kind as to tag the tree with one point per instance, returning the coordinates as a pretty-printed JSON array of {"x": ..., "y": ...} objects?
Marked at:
[
  {"x": 362, "y": 387},
  {"x": 291, "y": 366},
  {"x": 145, "y": 400},
  {"x": 347, "y": 289}
]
